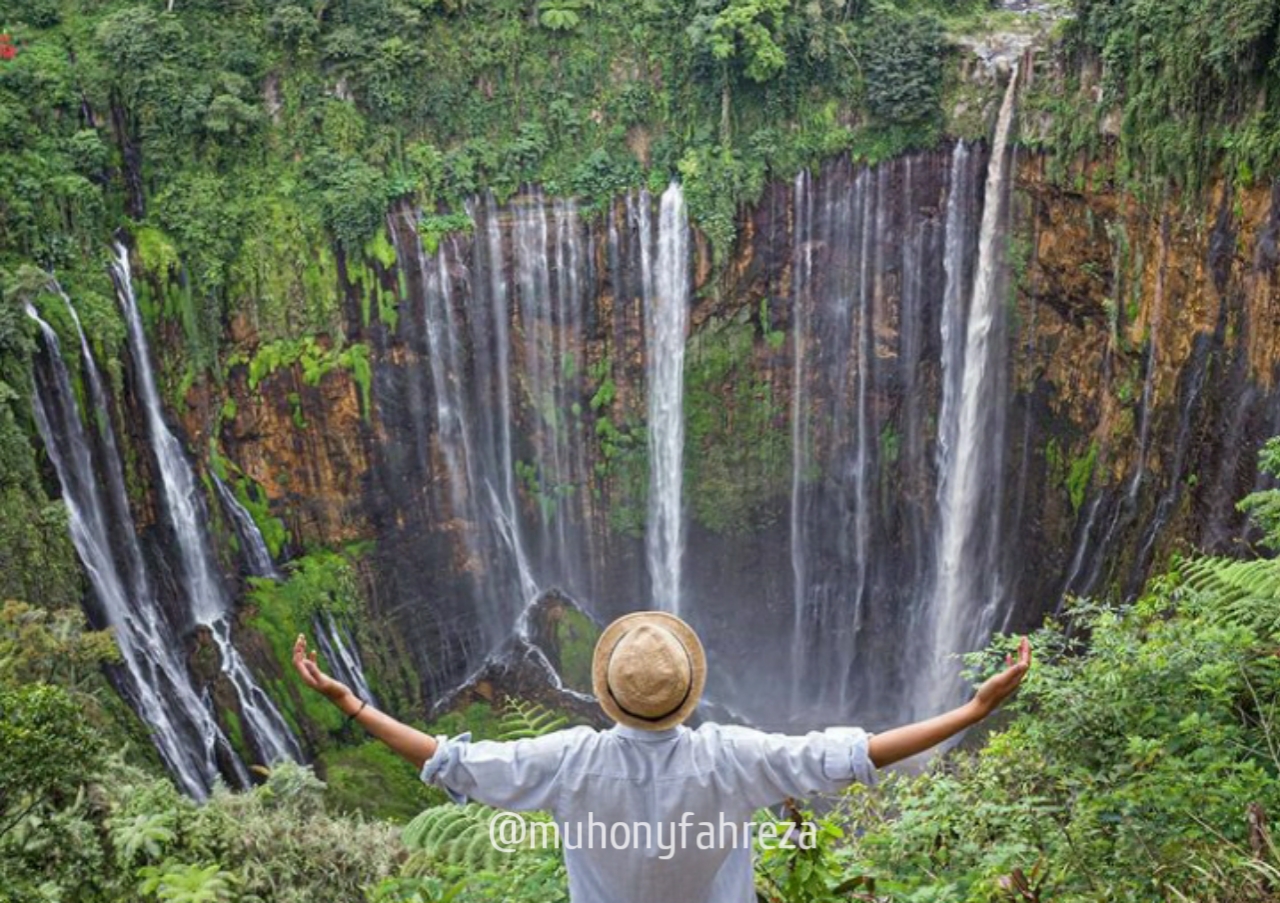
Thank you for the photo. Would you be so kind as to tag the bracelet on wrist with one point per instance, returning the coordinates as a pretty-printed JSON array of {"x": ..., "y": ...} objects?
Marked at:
[{"x": 352, "y": 716}]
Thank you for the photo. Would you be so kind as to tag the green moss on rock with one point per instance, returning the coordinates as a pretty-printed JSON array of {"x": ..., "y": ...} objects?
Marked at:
[{"x": 737, "y": 446}]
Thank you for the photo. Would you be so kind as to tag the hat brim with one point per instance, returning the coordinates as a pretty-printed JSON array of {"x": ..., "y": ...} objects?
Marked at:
[{"x": 610, "y": 638}]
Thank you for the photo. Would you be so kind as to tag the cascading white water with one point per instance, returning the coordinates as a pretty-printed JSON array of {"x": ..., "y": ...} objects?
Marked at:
[
  {"x": 666, "y": 303},
  {"x": 533, "y": 289},
  {"x": 476, "y": 399},
  {"x": 472, "y": 489},
  {"x": 846, "y": 300},
  {"x": 157, "y": 681},
  {"x": 256, "y": 553},
  {"x": 569, "y": 402},
  {"x": 834, "y": 307},
  {"x": 1198, "y": 367},
  {"x": 859, "y": 551},
  {"x": 801, "y": 281},
  {"x": 954, "y": 304},
  {"x": 960, "y": 618},
  {"x": 504, "y": 496},
  {"x": 547, "y": 263},
  {"x": 341, "y": 656},
  {"x": 504, "y": 339},
  {"x": 502, "y": 336},
  {"x": 911, "y": 320},
  {"x": 338, "y": 653},
  {"x": 202, "y": 585}
]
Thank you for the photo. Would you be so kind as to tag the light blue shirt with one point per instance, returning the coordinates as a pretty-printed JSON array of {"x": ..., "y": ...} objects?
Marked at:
[{"x": 591, "y": 780}]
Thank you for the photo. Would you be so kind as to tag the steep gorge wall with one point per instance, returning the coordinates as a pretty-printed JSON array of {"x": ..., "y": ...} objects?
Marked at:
[
  {"x": 1140, "y": 348},
  {"x": 1154, "y": 342}
]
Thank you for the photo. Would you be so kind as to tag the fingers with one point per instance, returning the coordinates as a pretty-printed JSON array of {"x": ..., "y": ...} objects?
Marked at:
[
  {"x": 305, "y": 667},
  {"x": 1023, "y": 662},
  {"x": 300, "y": 653},
  {"x": 1016, "y": 671}
]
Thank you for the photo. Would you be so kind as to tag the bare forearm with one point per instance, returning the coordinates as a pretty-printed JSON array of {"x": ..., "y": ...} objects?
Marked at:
[
  {"x": 405, "y": 741},
  {"x": 904, "y": 742}
]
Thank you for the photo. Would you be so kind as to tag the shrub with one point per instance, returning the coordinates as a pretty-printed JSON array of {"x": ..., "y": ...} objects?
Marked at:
[
  {"x": 1129, "y": 772},
  {"x": 902, "y": 58}
]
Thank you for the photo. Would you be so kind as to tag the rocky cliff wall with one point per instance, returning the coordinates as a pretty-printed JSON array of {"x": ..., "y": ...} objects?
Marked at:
[{"x": 1139, "y": 349}]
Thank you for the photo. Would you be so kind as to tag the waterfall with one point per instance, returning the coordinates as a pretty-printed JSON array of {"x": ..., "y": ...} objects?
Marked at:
[
  {"x": 965, "y": 601},
  {"x": 801, "y": 281},
  {"x": 154, "y": 677},
  {"x": 256, "y": 554},
  {"x": 842, "y": 272},
  {"x": 829, "y": 602},
  {"x": 1078, "y": 558},
  {"x": 857, "y": 553},
  {"x": 339, "y": 654},
  {"x": 201, "y": 582},
  {"x": 954, "y": 305},
  {"x": 912, "y": 318},
  {"x": 510, "y": 452},
  {"x": 548, "y": 264},
  {"x": 1195, "y": 376},
  {"x": 533, "y": 287},
  {"x": 506, "y": 507},
  {"x": 501, "y": 336},
  {"x": 573, "y": 557},
  {"x": 887, "y": 324},
  {"x": 666, "y": 303},
  {"x": 473, "y": 436}
]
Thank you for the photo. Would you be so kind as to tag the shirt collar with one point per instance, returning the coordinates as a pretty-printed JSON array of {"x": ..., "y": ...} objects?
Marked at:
[{"x": 638, "y": 733}]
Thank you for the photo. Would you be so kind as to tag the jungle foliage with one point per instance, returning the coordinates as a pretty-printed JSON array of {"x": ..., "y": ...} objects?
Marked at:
[
  {"x": 1180, "y": 90},
  {"x": 1139, "y": 762},
  {"x": 251, "y": 151},
  {"x": 232, "y": 143}
]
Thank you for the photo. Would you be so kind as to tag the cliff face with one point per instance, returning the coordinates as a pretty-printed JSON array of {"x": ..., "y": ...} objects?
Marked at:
[
  {"x": 307, "y": 447},
  {"x": 505, "y": 450},
  {"x": 1154, "y": 341}
]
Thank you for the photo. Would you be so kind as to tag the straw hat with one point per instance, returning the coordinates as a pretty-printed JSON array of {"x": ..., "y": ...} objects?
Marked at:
[{"x": 649, "y": 670}]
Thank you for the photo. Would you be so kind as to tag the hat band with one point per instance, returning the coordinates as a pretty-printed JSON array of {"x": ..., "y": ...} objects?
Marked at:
[{"x": 688, "y": 688}]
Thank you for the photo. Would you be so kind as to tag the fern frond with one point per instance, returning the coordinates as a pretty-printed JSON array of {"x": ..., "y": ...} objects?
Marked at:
[
  {"x": 521, "y": 720},
  {"x": 477, "y": 851},
  {"x": 452, "y": 835},
  {"x": 1241, "y": 592},
  {"x": 435, "y": 827}
]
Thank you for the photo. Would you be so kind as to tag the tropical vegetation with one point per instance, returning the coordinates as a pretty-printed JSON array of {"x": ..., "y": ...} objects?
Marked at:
[{"x": 251, "y": 150}]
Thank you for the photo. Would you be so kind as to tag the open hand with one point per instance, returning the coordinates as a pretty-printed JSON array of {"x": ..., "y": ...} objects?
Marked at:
[
  {"x": 997, "y": 689},
  {"x": 311, "y": 674}
]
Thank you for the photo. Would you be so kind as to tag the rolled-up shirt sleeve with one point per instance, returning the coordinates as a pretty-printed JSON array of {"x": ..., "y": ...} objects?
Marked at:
[
  {"x": 768, "y": 768},
  {"x": 517, "y": 774}
]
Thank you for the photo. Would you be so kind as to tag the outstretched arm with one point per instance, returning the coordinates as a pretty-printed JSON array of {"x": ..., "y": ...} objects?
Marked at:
[
  {"x": 903, "y": 742},
  {"x": 403, "y": 740}
]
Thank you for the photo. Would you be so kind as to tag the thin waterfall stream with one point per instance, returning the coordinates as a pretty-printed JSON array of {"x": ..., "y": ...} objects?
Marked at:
[
  {"x": 154, "y": 675},
  {"x": 202, "y": 584},
  {"x": 339, "y": 652},
  {"x": 666, "y": 301},
  {"x": 965, "y": 602}
]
